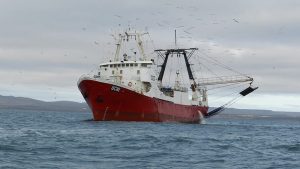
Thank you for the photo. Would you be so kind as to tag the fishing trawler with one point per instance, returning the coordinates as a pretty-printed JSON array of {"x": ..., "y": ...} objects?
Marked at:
[{"x": 129, "y": 87}]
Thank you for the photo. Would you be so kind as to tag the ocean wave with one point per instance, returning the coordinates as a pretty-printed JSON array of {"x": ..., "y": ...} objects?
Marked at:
[
  {"x": 288, "y": 147},
  {"x": 60, "y": 141}
]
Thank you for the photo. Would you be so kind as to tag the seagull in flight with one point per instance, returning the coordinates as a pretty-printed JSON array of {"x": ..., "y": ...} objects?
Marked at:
[{"x": 235, "y": 20}]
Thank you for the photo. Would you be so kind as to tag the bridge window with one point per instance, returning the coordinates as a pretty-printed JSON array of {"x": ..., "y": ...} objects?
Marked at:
[
  {"x": 127, "y": 65},
  {"x": 136, "y": 64},
  {"x": 138, "y": 72},
  {"x": 131, "y": 64}
]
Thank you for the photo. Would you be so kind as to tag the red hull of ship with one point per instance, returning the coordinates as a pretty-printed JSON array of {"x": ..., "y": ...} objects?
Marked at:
[{"x": 126, "y": 105}]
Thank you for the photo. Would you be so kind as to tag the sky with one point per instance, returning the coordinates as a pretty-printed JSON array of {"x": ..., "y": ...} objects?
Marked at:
[{"x": 45, "y": 46}]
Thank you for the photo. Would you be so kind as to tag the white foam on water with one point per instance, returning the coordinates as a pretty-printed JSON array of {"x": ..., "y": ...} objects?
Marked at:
[{"x": 202, "y": 119}]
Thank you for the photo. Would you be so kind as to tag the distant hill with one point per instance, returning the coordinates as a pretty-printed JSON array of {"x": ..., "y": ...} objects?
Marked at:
[
  {"x": 11, "y": 102},
  {"x": 22, "y": 103},
  {"x": 232, "y": 112}
]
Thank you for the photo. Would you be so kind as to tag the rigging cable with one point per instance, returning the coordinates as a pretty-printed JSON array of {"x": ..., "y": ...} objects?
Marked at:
[
  {"x": 222, "y": 108},
  {"x": 207, "y": 67},
  {"x": 210, "y": 71},
  {"x": 151, "y": 40},
  {"x": 180, "y": 78},
  {"x": 171, "y": 69},
  {"x": 234, "y": 87},
  {"x": 232, "y": 84},
  {"x": 222, "y": 97},
  {"x": 222, "y": 65}
]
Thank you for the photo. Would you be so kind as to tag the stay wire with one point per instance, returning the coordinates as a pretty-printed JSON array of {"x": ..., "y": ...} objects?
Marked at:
[
  {"x": 206, "y": 67},
  {"x": 239, "y": 85},
  {"x": 222, "y": 97},
  {"x": 222, "y": 65}
]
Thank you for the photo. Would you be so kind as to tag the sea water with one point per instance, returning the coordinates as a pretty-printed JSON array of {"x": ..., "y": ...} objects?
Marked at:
[{"x": 38, "y": 139}]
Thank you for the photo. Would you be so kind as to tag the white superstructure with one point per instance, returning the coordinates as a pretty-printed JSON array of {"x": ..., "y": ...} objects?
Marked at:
[{"x": 140, "y": 75}]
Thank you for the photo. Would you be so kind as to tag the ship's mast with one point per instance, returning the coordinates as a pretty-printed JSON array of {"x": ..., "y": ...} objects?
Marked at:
[
  {"x": 141, "y": 47},
  {"x": 118, "y": 48},
  {"x": 175, "y": 39},
  {"x": 126, "y": 36}
]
